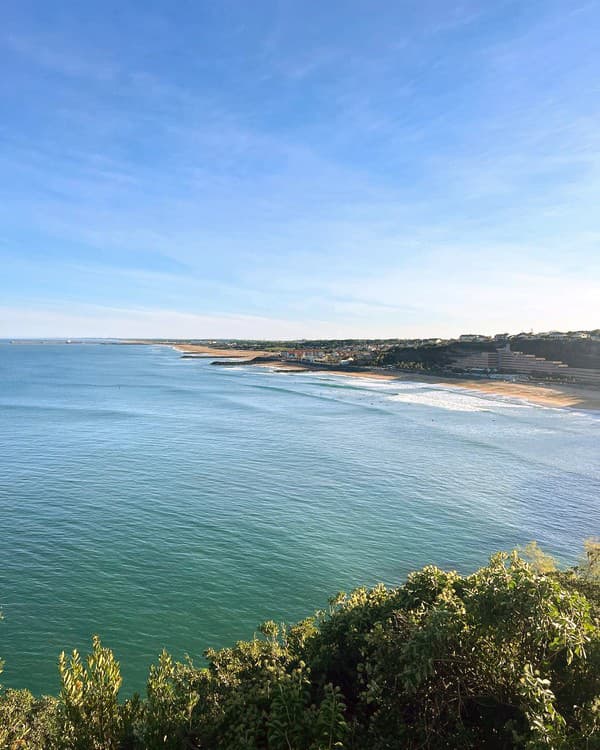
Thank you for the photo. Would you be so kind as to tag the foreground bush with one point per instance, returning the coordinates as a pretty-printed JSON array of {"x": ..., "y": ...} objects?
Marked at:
[{"x": 508, "y": 657}]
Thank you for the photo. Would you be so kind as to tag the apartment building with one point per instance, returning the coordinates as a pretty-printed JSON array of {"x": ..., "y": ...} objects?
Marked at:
[{"x": 504, "y": 360}]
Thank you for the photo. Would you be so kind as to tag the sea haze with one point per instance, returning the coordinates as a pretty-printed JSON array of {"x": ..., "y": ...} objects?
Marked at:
[{"x": 164, "y": 502}]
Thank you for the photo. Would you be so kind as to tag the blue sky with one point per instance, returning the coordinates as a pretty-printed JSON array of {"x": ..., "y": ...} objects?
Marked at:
[{"x": 296, "y": 168}]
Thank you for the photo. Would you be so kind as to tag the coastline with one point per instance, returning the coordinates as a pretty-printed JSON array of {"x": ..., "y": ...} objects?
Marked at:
[
  {"x": 200, "y": 349},
  {"x": 246, "y": 354},
  {"x": 553, "y": 395}
]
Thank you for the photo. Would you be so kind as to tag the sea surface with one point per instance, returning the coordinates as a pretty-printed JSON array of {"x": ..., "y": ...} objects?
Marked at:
[{"x": 165, "y": 502}]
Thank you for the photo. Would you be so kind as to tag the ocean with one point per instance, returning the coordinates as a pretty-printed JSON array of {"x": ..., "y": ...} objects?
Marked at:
[{"x": 163, "y": 502}]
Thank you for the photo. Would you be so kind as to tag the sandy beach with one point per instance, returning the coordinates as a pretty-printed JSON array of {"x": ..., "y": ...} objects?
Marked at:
[
  {"x": 211, "y": 352},
  {"x": 556, "y": 395},
  {"x": 552, "y": 395},
  {"x": 200, "y": 349}
]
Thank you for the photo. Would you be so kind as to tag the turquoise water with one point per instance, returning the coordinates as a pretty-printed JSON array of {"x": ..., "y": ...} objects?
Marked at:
[{"x": 163, "y": 502}]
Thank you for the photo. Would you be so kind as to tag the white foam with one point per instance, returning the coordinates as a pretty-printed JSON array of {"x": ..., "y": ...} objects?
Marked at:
[
  {"x": 365, "y": 382},
  {"x": 451, "y": 398},
  {"x": 454, "y": 400}
]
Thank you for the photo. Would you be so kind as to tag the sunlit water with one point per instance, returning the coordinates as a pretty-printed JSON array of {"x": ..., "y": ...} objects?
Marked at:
[{"x": 164, "y": 502}]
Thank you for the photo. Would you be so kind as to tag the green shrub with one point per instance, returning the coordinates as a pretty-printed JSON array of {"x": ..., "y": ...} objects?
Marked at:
[
  {"x": 92, "y": 718},
  {"x": 508, "y": 657},
  {"x": 26, "y": 722}
]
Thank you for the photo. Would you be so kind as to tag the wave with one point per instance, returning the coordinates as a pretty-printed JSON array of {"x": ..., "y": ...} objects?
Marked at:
[
  {"x": 83, "y": 411},
  {"x": 454, "y": 400}
]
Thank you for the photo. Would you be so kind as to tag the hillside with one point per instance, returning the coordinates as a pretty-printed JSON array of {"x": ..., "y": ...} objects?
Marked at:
[
  {"x": 573, "y": 352},
  {"x": 430, "y": 357}
]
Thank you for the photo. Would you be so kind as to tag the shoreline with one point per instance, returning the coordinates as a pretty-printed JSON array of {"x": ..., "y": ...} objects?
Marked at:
[
  {"x": 554, "y": 395},
  {"x": 207, "y": 351}
]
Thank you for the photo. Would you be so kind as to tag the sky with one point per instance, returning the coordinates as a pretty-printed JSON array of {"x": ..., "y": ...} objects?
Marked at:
[{"x": 294, "y": 168}]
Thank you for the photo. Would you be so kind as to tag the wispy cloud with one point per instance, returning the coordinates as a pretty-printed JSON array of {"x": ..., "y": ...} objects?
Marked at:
[
  {"x": 105, "y": 322},
  {"x": 49, "y": 54},
  {"x": 374, "y": 175}
]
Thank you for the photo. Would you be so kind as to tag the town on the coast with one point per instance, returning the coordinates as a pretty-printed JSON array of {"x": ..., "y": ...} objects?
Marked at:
[
  {"x": 553, "y": 356},
  {"x": 567, "y": 358}
]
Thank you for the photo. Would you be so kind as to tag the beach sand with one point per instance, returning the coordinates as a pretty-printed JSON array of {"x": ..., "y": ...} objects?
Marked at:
[
  {"x": 211, "y": 352},
  {"x": 201, "y": 349},
  {"x": 554, "y": 395}
]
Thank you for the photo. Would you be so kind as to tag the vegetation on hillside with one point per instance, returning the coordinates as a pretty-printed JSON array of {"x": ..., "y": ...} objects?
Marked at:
[{"x": 508, "y": 657}]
